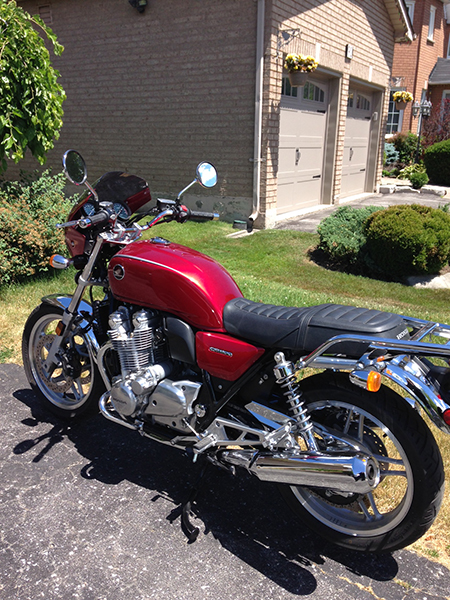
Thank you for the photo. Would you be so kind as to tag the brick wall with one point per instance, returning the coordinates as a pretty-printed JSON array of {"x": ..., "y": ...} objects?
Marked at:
[
  {"x": 155, "y": 93},
  {"x": 413, "y": 62}
]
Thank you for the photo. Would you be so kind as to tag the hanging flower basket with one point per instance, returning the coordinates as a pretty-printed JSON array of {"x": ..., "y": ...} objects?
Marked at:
[
  {"x": 297, "y": 78},
  {"x": 401, "y": 99},
  {"x": 299, "y": 67}
]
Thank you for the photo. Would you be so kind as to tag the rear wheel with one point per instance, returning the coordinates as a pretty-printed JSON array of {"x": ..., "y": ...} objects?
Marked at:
[
  {"x": 73, "y": 386},
  {"x": 407, "y": 500}
]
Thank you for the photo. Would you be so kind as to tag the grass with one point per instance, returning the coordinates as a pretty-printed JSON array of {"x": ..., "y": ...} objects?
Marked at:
[{"x": 271, "y": 266}]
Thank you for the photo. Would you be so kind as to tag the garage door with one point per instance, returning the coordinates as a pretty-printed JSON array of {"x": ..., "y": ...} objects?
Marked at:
[
  {"x": 356, "y": 145},
  {"x": 302, "y": 133}
]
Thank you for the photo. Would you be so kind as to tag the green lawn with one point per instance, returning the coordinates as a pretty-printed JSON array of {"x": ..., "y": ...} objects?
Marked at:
[{"x": 270, "y": 266}]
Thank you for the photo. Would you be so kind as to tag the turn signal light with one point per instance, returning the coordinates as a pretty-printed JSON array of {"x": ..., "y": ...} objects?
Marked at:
[
  {"x": 373, "y": 381},
  {"x": 366, "y": 379},
  {"x": 59, "y": 262}
]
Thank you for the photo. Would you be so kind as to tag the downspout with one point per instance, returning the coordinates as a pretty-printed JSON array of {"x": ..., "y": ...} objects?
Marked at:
[{"x": 258, "y": 115}]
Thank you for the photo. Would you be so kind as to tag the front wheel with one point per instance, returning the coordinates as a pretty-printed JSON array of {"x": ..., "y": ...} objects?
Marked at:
[
  {"x": 73, "y": 385},
  {"x": 407, "y": 500}
]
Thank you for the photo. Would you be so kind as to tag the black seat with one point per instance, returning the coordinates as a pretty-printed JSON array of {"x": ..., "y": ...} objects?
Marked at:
[{"x": 304, "y": 329}]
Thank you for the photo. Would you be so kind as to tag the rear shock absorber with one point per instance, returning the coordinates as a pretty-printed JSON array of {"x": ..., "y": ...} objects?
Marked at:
[{"x": 285, "y": 375}]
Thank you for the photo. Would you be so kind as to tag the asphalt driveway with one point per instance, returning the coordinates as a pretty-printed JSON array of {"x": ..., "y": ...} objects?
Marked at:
[{"x": 89, "y": 511}]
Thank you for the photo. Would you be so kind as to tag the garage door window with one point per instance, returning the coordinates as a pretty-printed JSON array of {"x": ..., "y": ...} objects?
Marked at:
[
  {"x": 313, "y": 93},
  {"x": 358, "y": 101},
  {"x": 287, "y": 89}
]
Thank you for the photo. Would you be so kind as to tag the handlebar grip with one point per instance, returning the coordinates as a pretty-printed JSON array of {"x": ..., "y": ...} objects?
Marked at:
[
  {"x": 100, "y": 217},
  {"x": 204, "y": 216}
]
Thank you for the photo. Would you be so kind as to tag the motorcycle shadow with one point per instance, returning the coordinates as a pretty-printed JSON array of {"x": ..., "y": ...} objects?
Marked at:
[{"x": 246, "y": 516}]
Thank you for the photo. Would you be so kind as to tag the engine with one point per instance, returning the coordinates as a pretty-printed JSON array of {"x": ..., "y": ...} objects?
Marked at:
[{"x": 144, "y": 388}]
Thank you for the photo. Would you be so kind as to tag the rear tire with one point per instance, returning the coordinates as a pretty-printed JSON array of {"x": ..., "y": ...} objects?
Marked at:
[
  {"x": 406, "y": 502},
  {"x": 75, "y": 386}
]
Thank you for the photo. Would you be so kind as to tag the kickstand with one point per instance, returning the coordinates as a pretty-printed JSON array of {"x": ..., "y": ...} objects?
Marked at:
[{"x": 188, "y": 528}]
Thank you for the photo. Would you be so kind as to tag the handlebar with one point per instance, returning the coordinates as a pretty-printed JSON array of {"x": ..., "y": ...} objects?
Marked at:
[{"x": 203, "y": 216}]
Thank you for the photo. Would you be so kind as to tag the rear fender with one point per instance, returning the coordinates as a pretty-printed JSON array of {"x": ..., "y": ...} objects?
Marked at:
[{"x": 421, "y": 392}]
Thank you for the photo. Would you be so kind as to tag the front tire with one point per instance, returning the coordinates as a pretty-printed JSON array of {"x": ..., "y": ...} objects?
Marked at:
[
  {"x": 74, "y": 387},
  {"x": 407, "y": 500}
]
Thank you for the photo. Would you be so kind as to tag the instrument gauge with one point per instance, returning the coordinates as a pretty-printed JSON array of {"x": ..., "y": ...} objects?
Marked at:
[
  {"x": 89, "y": 209},
  {"x": 121, "y": 211}
]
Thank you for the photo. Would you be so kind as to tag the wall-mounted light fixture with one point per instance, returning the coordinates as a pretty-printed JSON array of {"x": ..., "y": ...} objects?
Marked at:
[{"x": 139, "y": 5}]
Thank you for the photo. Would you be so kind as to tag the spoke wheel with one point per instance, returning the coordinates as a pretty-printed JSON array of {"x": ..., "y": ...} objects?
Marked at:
[
  {"x": 407, "y": 499},
  {"x": 73, "y": 385}
]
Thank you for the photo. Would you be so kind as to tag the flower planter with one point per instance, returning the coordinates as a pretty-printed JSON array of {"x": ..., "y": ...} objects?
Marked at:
[
  {"x": 297, "y": 78},
  {"x": 400, "y": 105}
]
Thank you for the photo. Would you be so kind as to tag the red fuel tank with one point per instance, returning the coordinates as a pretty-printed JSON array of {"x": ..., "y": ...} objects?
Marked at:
[{"x": 173, "y": 278}]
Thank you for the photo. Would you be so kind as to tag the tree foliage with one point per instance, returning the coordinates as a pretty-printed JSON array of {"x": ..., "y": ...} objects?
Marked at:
[{"x": 30, "y": 96}]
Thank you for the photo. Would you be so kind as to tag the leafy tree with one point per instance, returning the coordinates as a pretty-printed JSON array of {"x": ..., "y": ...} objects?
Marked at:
[{"x": 30, "y": 97}]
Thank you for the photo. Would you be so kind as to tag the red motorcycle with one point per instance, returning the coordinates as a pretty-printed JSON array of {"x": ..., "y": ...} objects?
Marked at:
[{"x": 175, "y": 352}]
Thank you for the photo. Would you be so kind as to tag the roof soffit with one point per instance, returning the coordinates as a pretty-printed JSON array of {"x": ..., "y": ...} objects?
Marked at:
[{"x": 400, "y": 20}]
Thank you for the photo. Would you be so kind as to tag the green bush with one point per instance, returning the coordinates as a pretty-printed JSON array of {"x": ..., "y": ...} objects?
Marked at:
[
  {"x": 406, "y": 145},
  {"x": 408, "y": 239},
  {"x": 28, "y": 236},
  {"x": 418, "y": 179},
  {"x": 437, "y": 162},
  {"x": 410, "y": 169},
  {"x": 390, "y": 154},
  {"x": 342, "y": 234}
]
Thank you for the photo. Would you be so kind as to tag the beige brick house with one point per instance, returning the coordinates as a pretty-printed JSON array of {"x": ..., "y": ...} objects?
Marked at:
[{"x": 156, "y": 92}]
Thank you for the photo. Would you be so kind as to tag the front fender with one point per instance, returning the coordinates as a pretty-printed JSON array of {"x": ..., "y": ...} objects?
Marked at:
[{"x": 63, "y": 302}]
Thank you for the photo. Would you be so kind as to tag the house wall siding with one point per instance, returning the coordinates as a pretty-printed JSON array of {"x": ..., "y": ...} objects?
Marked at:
[{"x": 158, "y": 92}]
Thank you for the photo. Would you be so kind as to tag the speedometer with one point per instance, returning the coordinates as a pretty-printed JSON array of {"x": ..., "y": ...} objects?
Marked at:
[
  {"x": 89, "y": 209},
  {"x": 121, "y": 211}
]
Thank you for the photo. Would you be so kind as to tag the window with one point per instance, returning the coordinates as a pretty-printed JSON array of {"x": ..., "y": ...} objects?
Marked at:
[
  {"x": 45, "y": 12},
  {"x": 362, "y": 102},
  {"x": 313, "y": 92},
  {"x": 395, "y": 117},
  {"x": 448, "y": 47},
  {"x": 410, "y": 9},
  {"x": 431, "y": 23},
  {"x": 287, "y": 89}
]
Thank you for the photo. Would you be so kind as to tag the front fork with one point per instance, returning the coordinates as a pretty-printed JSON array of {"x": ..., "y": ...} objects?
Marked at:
[{"x": 71, "y": 312}]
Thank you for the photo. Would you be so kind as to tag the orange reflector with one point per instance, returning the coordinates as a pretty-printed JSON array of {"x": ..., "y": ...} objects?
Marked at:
[
  {"x": 373, "y": 381},
  {"x": 59, "y": 328},
  {"x": 50, "y": 260}
]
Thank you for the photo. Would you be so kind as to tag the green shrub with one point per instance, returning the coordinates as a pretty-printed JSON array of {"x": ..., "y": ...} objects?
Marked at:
[
  {"x": 418, "y": 179},
  {"x": 390, "y": 154},
  {"x": 410, "y": 169},
  {"x": 437, "y": 162},
  {"x": 406, "y": 145},
  {"x": 342, "y": 234},
  {"x": 28, "y": 236},
  {"x": 408, "y": 239}
]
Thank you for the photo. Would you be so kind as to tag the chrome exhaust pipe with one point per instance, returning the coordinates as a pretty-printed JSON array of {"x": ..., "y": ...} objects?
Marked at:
[{"x": 354, "y": 472}]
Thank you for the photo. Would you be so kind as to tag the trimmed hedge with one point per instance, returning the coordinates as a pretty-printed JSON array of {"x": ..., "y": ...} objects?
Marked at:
[
  {"x": 408, "y": 239},
  {"x": 437, "y": 162},
  {"x": 29, "y": 212},
  {"x": 342, "y": 234}
]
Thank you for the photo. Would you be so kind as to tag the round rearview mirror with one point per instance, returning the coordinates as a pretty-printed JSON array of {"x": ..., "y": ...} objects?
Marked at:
[
  {"x": 74, "y": 167},
  {"x": 206, "y": 175}
]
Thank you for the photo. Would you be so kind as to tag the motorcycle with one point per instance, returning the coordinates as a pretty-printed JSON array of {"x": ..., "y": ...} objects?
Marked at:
[{"x": 325, "y": 401}]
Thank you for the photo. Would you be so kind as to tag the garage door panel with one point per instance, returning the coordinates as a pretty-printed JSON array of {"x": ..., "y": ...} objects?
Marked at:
[{"x": 302, "y": 134}]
